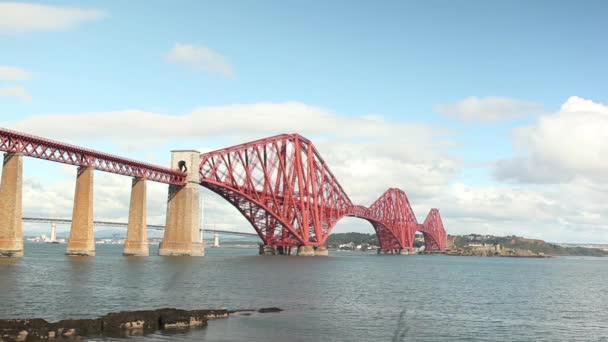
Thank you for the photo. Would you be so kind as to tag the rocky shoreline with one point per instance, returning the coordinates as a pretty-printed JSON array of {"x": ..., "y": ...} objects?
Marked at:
[
  {"x": 494, "y": 250},
  {"x": 116, "y": 324}
]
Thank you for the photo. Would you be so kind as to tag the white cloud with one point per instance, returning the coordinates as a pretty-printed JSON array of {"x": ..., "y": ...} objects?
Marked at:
[
  {"x": 28, "y": 17},
  {"x": 15, "y": 91},
  {"x": 200, "y": 58},
  {"x": 13, "y": 73},
  {"x": 245, "y": 121},
  {"x": 570, "y": 212},
  {"x": 561, "y": 169},
  {"x": 491, "y": 108},
  {"x": 562, "y": 146}
]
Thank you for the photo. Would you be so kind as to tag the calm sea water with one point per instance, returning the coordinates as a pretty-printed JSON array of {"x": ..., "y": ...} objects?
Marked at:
[{"x": 345, "y": 297}]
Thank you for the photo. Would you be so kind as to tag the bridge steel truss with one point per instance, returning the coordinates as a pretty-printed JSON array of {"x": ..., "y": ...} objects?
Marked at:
[
  {"x": 280, "y": 184},
  {"x": 33, "y": 146},
  {"x": 284, "y": 188}
]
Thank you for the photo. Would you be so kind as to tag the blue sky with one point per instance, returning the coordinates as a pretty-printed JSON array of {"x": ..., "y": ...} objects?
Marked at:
[{"x": 395, "y": 60}]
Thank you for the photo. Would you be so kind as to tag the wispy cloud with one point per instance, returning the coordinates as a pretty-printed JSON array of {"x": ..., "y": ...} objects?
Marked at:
[
  {"x": 28, "y": 17},
  {"x": 200, "y": 59},
  {"x": 15, "y": 91},
  {"x": 13, "y": 73},
  {"x": 491, "y": 108}
]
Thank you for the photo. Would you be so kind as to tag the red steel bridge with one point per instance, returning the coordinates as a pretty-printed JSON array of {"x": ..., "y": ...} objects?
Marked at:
[{"x": 280, "y": 184}]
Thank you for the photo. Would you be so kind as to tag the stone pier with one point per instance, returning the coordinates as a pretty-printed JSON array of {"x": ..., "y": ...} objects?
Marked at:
[
  {"x": 276, "y": 250},
  {"x": 268, "y": 250},
  {"x": 388, "y": 251},
  {"x": 321, "y": 251},
  {"x": 137, "y": 237},
  {"x": 306, "y": 251},
  {"x": 284, "y": 250},
  {"x": 11, "y": 189},
  {"x": 391, "y": 251},
  {"x": 82, "y": 238},
  {"x": 182, "y": 236}
]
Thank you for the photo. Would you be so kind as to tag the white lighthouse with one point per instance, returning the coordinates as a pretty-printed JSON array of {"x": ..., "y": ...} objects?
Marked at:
[
  {"x": 216, "y": 240},
  {"x": 53, "y": 233}
]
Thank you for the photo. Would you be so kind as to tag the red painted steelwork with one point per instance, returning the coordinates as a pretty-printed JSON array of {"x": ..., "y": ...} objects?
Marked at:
[
  {"x": 433, "y": 232},
  {"x": 281, "y": 185},
  {"x": 287, "y": 192},
  {"x": 37, "y": 147},
  {"x": 393, "y": 219}
]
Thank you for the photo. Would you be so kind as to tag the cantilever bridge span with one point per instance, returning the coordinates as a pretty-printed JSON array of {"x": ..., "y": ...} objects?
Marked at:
[
  {"x": 280, "y": 184},
  {"x": 287, "y": 192}
]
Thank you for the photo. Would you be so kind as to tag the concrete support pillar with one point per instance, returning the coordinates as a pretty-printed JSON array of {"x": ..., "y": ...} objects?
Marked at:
[
  {"x": 268, "y": 250},
  {"x": 283, "y": 250},
  {"x": 137, "y": 236},
  {"x": 389, "y": 251},
  {"x": 321, "y": 251},
  {"x": 306, "y": 251},
  {"x": 11, "y": 189},
  {"x": 82, "y": 238},
  {"x": 182, "y": 235}
]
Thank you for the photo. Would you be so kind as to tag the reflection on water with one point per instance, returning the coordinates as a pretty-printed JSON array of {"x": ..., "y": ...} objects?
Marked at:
[{"x": 346, "y": 297}]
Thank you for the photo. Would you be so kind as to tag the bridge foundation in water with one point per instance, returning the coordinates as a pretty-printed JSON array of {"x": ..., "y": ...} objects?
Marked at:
[
  {"x": 396, "y": 251},
  {"x": 183, "y": 210},
  {"x": 321, "y": 251},
  {"x": 82, "y": 237},
  {"x": 11, "y": 190},
  {"x": 313, "y": 251},
  {"x": 136, "y": 243},
  {"x": 269, "y": 250}
]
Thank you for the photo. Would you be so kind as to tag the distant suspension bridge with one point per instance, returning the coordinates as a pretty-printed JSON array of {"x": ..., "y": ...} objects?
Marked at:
[{"x": 123, "y": 224}]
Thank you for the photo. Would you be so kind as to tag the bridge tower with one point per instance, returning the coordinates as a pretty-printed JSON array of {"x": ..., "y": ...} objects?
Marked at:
[
  {"x": 11, "y": 190},
  {"x": 183, "y": 209}
]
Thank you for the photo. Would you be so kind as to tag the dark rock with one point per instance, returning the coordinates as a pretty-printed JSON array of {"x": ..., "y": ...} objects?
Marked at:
[
  {"x": 266, "y": 310},
  {"x": 23, "y": 329},
  {"x": 174, "y": 318},
  {"x": 75, "y": 327},
  {"x": 242, "y": 310},
  {"x": 120, "y": 323}
]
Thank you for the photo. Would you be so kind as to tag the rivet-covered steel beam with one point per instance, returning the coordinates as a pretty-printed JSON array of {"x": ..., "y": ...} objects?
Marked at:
[{"x": 37, "y": 147}]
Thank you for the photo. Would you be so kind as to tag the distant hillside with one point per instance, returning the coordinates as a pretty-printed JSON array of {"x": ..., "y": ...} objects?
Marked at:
[
  {"x": 336, "y": 239},
  {"x": 535, "y": 246}
]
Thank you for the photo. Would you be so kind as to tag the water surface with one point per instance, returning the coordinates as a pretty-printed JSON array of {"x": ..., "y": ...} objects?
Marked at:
[{"x": 348, "y": 296}]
